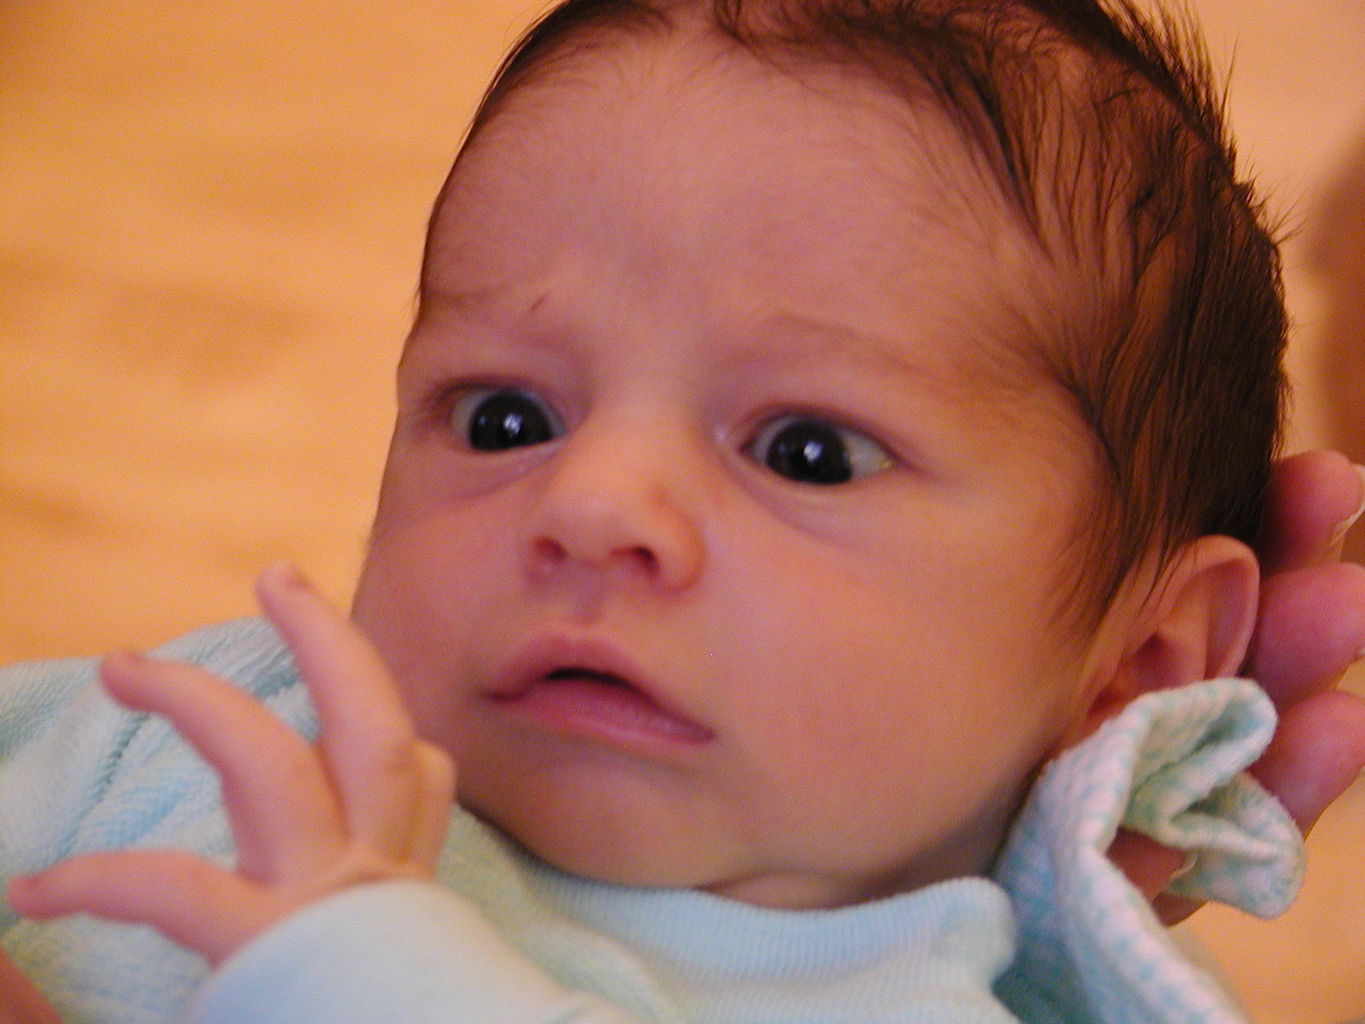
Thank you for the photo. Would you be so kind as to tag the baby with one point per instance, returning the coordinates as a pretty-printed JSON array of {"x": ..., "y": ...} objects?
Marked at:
[{"x": 818, "y": 417}]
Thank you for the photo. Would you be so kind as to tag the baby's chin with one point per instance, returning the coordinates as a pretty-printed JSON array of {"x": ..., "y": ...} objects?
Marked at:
[
  {"x": 646, "y": 863},
  {"x": 589, "y": 853},
  {"x": 614, "y": 829}
]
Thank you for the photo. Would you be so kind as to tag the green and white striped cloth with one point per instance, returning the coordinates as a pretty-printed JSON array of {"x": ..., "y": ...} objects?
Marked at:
[{"x": 1171, "y": 766}]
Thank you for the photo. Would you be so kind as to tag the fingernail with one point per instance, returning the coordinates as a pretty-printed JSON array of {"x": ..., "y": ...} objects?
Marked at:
[
  {"x": 1343, "y": 527},
  {"x": 1191, "y": 860}
]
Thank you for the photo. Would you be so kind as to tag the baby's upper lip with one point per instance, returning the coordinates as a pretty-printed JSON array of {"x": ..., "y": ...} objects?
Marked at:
[{"x": 549, "y": 655}]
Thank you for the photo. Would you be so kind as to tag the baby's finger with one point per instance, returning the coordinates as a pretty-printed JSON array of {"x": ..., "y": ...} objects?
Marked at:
[
  {"x": 434, "y": 805},
  {"x": 366, "y": 735},
  {"x": 191, "y": 901},
  {"x": 282, "y": 810},
  {"x": 20, "y": 1002}
]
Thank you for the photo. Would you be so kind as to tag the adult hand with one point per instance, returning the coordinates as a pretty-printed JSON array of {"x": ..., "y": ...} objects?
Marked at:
[
  {"x": 369, "y": 801},
  {"x": 1311, "y": 630}
]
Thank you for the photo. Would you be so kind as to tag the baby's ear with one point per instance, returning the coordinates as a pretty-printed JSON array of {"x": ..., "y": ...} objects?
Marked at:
[{"x": 1195, "y": 624}]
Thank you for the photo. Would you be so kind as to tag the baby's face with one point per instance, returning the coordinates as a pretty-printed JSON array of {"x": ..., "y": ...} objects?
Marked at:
[{"x": 722, "y": 535}]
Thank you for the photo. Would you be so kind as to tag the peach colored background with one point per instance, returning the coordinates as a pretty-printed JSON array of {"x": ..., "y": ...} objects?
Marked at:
[{"x": 210, "y": 221}]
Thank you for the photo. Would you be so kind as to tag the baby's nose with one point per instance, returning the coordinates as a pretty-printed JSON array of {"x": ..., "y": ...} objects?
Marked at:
[{"x": 621, "y": 507}]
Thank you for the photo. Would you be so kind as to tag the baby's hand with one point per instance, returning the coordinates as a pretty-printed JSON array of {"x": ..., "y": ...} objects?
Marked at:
[{"x": 370, "y": 801}]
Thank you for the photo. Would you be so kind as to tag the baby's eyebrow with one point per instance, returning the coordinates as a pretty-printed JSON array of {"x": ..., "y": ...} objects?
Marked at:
[
  {"x": 962, "y": 359},
  {"x": 802, "y": 338}
]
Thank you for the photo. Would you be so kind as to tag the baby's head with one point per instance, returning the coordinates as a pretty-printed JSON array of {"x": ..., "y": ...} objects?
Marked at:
[{"x": 818, "y": 413}]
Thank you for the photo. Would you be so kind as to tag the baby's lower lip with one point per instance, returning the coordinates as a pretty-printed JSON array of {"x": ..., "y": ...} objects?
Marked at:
[{"x": 590, "y": 706}]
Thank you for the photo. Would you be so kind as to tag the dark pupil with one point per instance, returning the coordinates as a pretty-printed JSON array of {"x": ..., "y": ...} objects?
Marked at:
[
  {"x": 508, "y": 419},
  {"x": 810, "y": 452}
]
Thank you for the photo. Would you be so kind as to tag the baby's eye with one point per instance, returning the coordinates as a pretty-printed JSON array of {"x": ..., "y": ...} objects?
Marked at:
[
  {"x": 496, "y": 419},
  {"x": 814, "y": 451}
]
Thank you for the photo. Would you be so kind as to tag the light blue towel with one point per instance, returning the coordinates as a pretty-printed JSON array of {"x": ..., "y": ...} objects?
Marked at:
[{"x": 1170, "y": 766}]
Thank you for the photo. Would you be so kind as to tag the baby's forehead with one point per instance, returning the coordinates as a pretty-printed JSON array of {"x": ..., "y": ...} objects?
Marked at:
[
  {"x": 691, "y": 105},
  {"x": 696, "y": 60},
  {"x": 823, "y": 115}
]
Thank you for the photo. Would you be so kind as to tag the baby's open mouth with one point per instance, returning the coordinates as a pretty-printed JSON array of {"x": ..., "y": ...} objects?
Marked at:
[
  {"x": 595, "y": 703},
  {"x": 575, "y": 672}
]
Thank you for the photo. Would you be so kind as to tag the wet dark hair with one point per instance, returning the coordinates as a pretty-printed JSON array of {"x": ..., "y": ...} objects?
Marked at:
[{"x": 1105, "y": 136}]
